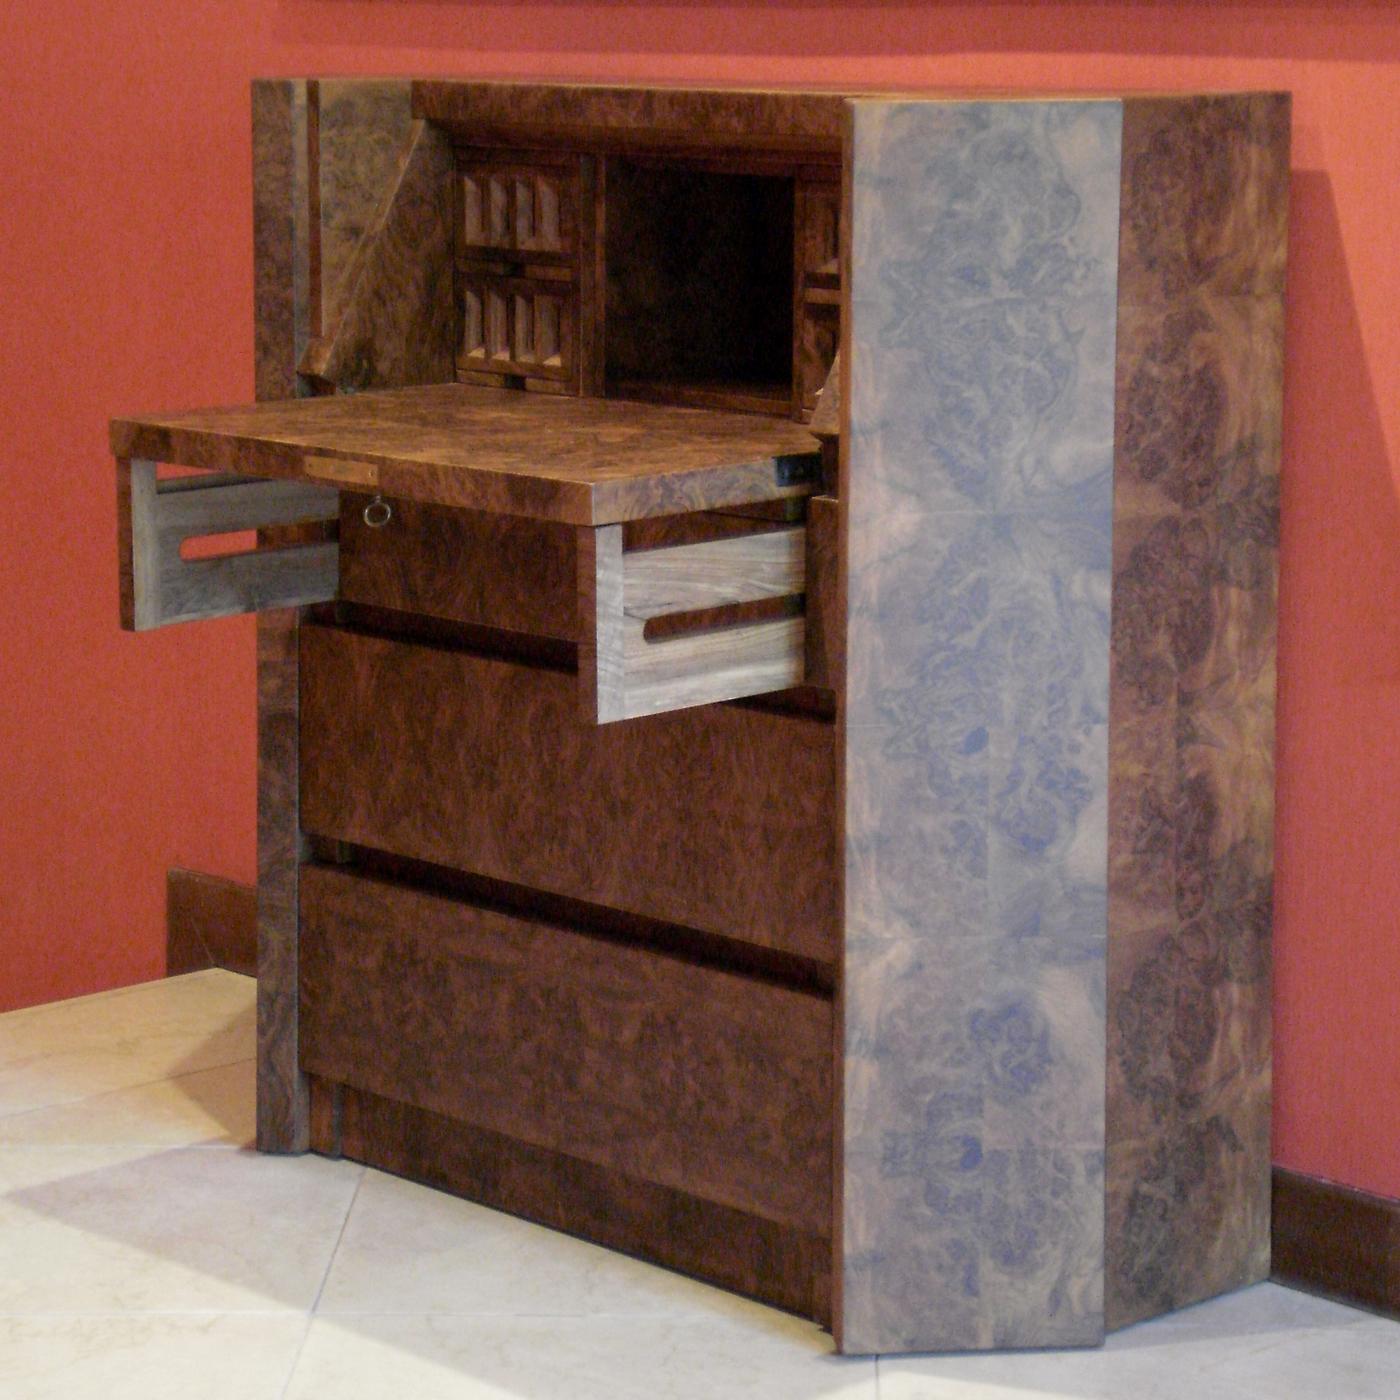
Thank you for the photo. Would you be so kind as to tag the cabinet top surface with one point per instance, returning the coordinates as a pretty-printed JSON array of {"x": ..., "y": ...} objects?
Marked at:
[{"x": 580, "y": 461}]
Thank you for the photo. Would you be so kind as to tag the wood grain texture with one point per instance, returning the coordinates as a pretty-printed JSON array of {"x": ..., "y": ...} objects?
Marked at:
[
  {"x": 979, "y": 500},
  {"x": 774, "y": 1263},
  {"x": 209, "y": 922},
  {"x": 362, "y": 127},
  {"x": 463, "y": 565},
  {"x": 283, "y": 1115},
  {"x": 392, "y": 320},
  {"x": 826, "y": 415},
  {"x": 696, "y": 1079},
  {"x": 1334, "y": 1240},
  {"x": 825, "y": 607},
  {"x": 713, "y": 648},
  {"x": 280, "y": 312},
  {"x": 578, "y": 460},
  {"x": 719, "y": 819},
  {"x": 622, "y": 118},
  {"x": 1199, "y": 377},
  {"x": 284, "y": 170},
  {"x": 156, "y": 518}
]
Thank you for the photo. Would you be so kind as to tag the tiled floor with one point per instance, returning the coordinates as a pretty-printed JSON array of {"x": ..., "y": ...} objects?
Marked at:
[{"x": 145, "y": 1253}]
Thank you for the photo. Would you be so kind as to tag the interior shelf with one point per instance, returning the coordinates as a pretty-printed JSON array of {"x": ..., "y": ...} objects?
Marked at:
[{"x": 581, "y": 461}]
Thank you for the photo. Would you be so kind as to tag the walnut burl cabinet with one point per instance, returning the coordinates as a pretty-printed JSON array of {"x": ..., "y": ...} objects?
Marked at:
[{"x": 766, "y": 676}]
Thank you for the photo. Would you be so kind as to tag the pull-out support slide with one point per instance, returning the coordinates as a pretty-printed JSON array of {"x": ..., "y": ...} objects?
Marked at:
[
  {"x": 159, "y": 586},
  {"x": 689, "y": 624}
]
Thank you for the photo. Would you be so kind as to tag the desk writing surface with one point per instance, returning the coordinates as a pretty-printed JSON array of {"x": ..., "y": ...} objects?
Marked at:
[{"x": 581, "y": 461}]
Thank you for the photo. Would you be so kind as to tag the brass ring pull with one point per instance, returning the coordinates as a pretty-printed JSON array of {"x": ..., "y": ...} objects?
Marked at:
[{"x": 378, "y": 513}]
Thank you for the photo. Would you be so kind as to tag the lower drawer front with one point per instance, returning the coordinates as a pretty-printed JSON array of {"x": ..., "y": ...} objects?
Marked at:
[
  {"x": 697, "y": 1079},
  {"x": 463, "y": 565},
  {"x": 721, "y": 819}
]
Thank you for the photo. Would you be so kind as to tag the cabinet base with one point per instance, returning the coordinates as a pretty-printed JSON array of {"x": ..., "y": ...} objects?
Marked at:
[{"x": 775, "y": 1264}]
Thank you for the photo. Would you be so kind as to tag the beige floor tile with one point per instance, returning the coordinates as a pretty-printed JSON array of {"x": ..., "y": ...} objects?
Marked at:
[
  {"x": 598, "y": 1358},
  {"x": 1327, "y": 1363},
  {"x": 1216, "y": 1349},
  {"x": 75, "y": 1049},
  {"x": 407, "y": 1249},
  {"x": 113, "y": 1229},
  {"x": 1239, "y": 1319},
  {"x": 1050, "y": 1375},
  {"x": 158, "y": 1357},
  {"x": 212, "y": 1107}
]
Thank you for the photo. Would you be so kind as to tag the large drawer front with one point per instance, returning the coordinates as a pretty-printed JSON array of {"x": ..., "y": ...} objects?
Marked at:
[
  {"x": 698, "y": 1079},
  {"x": 720, "y": 819}
]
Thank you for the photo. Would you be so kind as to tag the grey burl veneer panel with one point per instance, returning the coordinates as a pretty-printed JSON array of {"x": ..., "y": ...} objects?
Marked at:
[{"x": 979, "y": 477}]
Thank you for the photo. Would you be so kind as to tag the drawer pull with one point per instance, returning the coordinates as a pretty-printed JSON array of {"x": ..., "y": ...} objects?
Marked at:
[{"x": 378, "y": 513}]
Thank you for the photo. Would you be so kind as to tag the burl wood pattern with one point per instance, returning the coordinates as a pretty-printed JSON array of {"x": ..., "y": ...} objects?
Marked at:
[
  {"x": 463, "y": 565},
  {"x": 393, "y": 320},
  {"x": 980, "y": 369},
  {"x": 718, "y": 819},
  {"x": 283, "y": 1104},
  {"x": 1204, "y": 195},
  {"x": 825, "y": 604},
  {"x": 361, "y": 129},
  {"x": 696, "y": 1079},
  {"x": 774, "y": 1263},
  {"x": 624, "y": 118},
  {"x": 283, "y": 168},
  {"x": 579, "y": 460},
  {"x": 280, "y": 239}
]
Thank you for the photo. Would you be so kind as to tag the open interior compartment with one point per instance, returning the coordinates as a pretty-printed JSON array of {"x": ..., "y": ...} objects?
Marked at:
[{"x": 699, "y": 285}]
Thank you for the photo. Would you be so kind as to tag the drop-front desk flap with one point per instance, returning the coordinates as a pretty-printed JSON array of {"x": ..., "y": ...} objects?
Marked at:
[{"x": 667, "y": 618}]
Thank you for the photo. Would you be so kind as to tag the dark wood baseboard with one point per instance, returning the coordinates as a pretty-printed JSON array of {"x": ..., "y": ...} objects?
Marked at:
[
  {"x": 209, "y": 922},
  {"x": 777, "y": 1264},
  {"x": 1337, "y": 1241}
]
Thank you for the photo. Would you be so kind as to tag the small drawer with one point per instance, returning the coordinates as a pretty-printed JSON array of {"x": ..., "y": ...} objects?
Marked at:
[
  {"x": 525, "y": 210},
  {"x": 466, "y": 566},
  {"x": 720, "y": 819},
  {"x": 518, "y": 326},
  {"x": 691, "y": 1077}
]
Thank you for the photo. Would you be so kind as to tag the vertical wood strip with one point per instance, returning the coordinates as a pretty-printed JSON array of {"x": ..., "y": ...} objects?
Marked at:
[
  {"x": 283, "y": 1100},
  {"x": 979, "y": 496},
  {"x": 279, "y": 191},
  {"x": 315, "y": 289},
  {"x": 284, "y": 159},
  {"x": 1196, "y": 472}
]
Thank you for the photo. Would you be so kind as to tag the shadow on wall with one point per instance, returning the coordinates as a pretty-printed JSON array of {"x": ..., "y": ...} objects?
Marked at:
[
  {"x": 1341, "y": 30},
  {"x": 1341, "y": 516},
  {"x": 1337, "y": 885}
]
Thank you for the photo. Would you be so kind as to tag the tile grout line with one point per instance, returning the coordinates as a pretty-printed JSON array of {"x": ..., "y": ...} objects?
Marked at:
[
  {"x": 321, "y": 1287},
  {"x": 5, "y": 1117}
]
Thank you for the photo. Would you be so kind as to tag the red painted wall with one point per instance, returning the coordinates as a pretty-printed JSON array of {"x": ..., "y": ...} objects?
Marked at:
[{"x": 125, "y": 284}]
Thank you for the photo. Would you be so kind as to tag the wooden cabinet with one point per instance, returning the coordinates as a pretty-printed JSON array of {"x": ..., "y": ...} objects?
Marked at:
[{"x": 810, "y": 828}]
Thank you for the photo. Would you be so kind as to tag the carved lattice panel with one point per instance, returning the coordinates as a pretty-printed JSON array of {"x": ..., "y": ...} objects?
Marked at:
[
  {"x": 519, "y": 209},
  {"x": 517, "y": 326}
]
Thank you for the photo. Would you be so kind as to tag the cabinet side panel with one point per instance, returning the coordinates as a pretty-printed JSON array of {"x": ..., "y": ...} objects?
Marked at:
[
  {"x": 283, "y": 1102},
  {"x": 279, "y": 235},
  {"x": 284, "y": 159},
  {"x": 1204, "y": 195},
  {"x": 362, "y": 126},
  {"x": 982, "y": 306}
]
